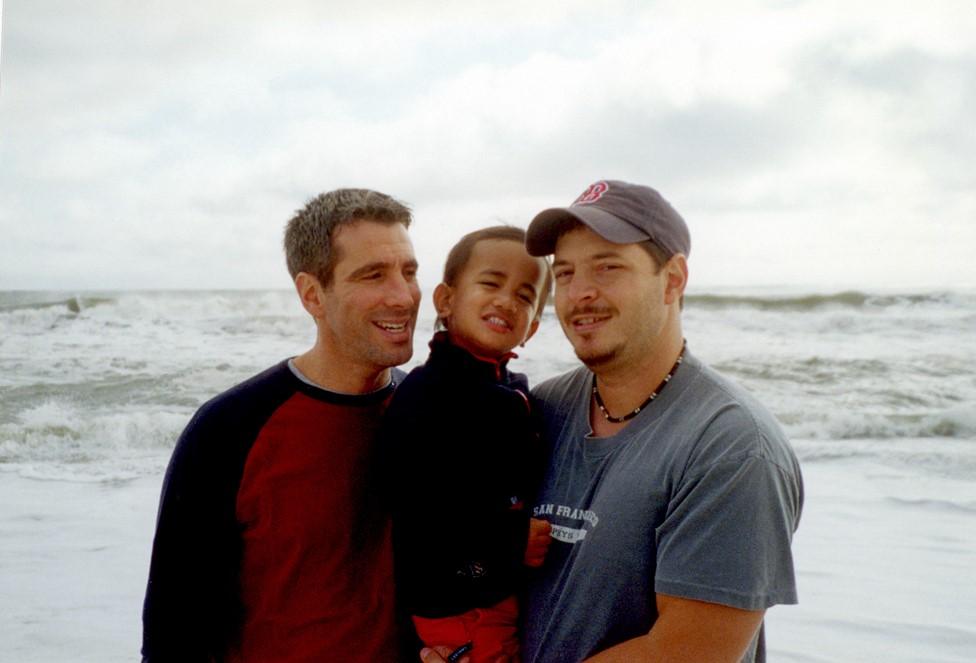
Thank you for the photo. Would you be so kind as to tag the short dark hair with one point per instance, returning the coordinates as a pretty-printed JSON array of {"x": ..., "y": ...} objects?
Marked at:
[
  {"x": 658, "y": 255},
  {"x": 309, "y": 233},
  {"x": 460, "y": 254}
]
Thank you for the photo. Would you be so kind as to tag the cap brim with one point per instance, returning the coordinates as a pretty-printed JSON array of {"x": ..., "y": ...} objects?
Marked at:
[{"x": 544, "y": 230}]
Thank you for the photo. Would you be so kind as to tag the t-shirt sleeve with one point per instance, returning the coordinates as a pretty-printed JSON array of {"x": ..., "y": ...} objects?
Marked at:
[{"x": 727, "y": 534}]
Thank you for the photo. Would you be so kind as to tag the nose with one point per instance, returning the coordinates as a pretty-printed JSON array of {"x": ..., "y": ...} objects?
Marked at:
[
  {"x": 505, "y": 301},
  {"x": 580, "y": 288},
  {"x": 402, "y": 292}
]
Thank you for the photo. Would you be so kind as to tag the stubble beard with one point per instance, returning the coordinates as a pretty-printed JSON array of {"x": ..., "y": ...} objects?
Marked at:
[
  {"x": 592, "y": 358},
  {"x": 364, "y": 349},
  {"x": 596, "y": 359},
  {"x": 391, "y": 358},
  {"x": 388, "y": 356}
]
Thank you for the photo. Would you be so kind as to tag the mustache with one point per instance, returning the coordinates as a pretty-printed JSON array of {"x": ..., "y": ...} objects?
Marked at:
[{"x": 590, "y": 310}]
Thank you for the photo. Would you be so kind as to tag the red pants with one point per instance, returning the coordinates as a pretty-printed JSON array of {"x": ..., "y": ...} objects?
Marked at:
[{"x": 491, "y": 630}]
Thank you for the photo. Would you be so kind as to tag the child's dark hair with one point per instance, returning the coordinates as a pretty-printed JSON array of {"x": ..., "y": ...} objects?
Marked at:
[{"x": 460, "y": 254}]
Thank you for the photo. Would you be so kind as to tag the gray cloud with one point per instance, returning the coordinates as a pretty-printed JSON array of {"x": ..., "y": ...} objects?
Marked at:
[{"x": 155, "y": 147}]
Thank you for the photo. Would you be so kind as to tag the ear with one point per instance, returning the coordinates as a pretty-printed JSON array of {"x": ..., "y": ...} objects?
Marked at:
[
  {"x": 443, "y": 300},
  {"x": 676, "y": 278},
  {"x": 311, "y": 294},
  {"x": 533, "y": 328}
]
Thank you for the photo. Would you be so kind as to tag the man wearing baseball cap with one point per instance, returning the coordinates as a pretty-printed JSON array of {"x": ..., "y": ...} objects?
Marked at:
[{"x": 672, "y": 493}]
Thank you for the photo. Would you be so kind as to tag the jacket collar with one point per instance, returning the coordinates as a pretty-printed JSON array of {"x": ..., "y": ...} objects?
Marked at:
[{"x": 497, "y": 369}]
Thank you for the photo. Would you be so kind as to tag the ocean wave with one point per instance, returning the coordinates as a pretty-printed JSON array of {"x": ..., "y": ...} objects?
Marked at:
[
  {"x": 279, "y": 325},
  {"x": 933, "y": 504},
  {"x": 813, "y": 370},
  {"x": 110, "y": 473},
  {"x": 32, "y": 316},
  {"x": 827, "y": 453},
  {"x": 850, "y": 299},
  {"x": 945, "y": 458},
  {"x": 59, "y": 433},
  {"x": 147, "y": 312},
  {"x": 958, "y": 422},
  {"x": 71, "y": 305}
]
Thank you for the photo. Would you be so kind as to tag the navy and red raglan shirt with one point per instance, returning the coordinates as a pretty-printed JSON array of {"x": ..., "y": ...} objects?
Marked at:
[{"x": 272, "y": 543}]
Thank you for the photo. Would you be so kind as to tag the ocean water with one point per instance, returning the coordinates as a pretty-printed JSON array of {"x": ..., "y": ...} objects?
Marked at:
[
  {"x": 97, "y": 386},
  {"x": 876, "y": 390}
]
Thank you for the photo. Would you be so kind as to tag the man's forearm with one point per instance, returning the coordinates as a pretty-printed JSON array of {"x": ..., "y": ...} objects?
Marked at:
[{"x": 688, "y": 630}]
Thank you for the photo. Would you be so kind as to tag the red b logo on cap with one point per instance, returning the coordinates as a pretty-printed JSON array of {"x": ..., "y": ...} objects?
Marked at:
[{"x": 592, "y": 194}]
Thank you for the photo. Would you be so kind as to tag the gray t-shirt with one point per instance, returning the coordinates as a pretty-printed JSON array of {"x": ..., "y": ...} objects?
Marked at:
[{"x": 697, "y": 497}]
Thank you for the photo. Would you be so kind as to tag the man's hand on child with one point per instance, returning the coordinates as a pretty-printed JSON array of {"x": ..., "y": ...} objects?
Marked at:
[
  {"x": 540, "y": 535},
  {"x": 535, "y": 554},
  {"x": 440, "y": 654}
]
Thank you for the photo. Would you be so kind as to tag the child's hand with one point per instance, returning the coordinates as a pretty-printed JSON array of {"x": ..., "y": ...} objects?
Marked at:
[{"x": 539, "y": 539}]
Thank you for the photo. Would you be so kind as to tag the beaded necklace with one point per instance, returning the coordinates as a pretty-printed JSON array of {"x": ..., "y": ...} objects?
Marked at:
[{"x": 654, "y": 394}]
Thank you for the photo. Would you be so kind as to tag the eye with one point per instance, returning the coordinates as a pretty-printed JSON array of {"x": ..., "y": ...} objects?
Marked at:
[
  {"x": 607, "y": 270},
  {"x": 562, "y": 275},
  {"x": 526, "y": 298},
  {"x": 488, "y": 284}
]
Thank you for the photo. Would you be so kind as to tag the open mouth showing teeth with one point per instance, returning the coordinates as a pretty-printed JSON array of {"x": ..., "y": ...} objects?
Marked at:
[
  {"x": 392, "y": 327},
  {"x": 497, "y": 322},
  {"x": 581, "y": 322}
]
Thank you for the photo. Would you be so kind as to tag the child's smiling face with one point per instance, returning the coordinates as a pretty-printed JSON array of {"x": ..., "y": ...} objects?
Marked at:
[{"x": 492, "y": 306}]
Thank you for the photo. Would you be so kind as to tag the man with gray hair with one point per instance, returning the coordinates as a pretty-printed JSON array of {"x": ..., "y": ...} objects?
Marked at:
[{"x": 270, "y": 542}]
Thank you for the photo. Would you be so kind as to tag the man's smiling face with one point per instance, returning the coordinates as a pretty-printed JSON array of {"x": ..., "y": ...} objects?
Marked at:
[
  {"x": 609, "y": 298},
  {"x": 371, "y": 301}
]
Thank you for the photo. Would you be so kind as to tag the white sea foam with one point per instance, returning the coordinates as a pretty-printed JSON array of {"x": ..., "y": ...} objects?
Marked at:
[
  {"x": 58, "y": 439},
  {"x": 92, "y": 379}
]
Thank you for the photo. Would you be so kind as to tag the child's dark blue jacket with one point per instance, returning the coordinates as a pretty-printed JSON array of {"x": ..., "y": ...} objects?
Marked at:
[{"x": 462, "y": 459}]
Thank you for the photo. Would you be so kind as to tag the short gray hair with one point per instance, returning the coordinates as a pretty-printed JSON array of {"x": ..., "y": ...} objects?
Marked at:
[{"x": 309, "y": 233}]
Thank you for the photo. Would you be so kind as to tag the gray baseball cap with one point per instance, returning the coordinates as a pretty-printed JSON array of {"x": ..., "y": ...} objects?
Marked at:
[{"x": 617, "y": 211}]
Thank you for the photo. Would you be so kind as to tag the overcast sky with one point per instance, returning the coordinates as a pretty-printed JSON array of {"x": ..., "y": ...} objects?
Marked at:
[{"x": 818, "y": 144}]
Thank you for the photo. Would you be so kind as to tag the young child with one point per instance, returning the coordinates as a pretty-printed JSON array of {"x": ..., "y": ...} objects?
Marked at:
[{"x": 463, "y": 454}]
